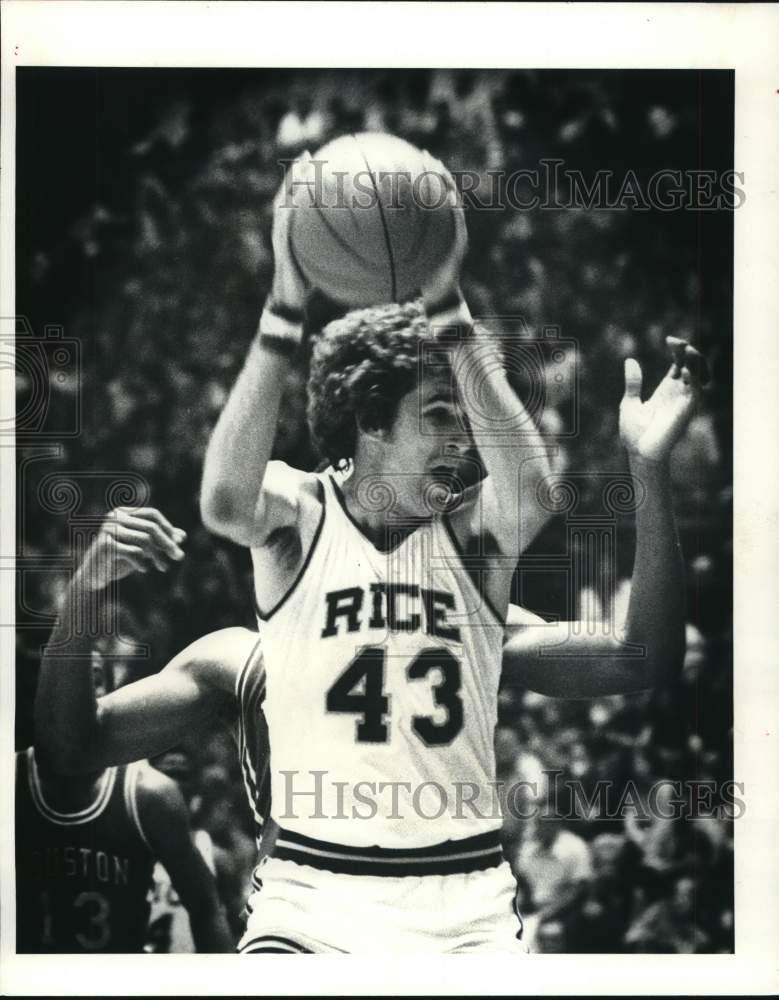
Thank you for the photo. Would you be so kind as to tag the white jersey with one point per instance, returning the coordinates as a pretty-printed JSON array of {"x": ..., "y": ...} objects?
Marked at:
[{"x": 382, "y": 676}]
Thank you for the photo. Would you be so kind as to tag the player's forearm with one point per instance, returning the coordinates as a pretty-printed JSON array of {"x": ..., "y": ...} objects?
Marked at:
[
  {"x": 210, "y": 930},
  {"x": 656, "y": 612},
  {"x": 197, "y": 889},
  {"x": 511, "y": 446},
  {"x": 65, "y": 718},
  {"x": 241, "y": 444}
]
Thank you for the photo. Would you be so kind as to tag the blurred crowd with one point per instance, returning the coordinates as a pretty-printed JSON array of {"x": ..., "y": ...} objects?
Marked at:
[{"x": 162, "y": 284}]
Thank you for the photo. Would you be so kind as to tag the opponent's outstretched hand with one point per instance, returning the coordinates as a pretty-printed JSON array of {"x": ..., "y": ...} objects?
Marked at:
[
  {"x": 650, "y": 429},
  {"x": 131, "y": 540}
]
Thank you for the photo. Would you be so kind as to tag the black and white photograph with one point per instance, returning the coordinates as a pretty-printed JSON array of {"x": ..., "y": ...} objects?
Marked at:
[{"x": 368, "y": 512}]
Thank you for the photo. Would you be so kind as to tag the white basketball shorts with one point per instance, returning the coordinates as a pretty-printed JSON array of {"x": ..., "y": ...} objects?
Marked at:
[{"x": 301, "y": 906}]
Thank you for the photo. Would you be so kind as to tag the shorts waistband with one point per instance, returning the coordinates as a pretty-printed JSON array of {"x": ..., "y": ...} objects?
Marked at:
[{"x": 452, "y": 857}]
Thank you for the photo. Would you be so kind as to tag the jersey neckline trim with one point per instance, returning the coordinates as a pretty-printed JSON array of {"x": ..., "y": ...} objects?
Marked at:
[
  {"x": 358, "y": 527},
  {"x": 92, "y": 811},
  {"x": 304, "y": 566}
]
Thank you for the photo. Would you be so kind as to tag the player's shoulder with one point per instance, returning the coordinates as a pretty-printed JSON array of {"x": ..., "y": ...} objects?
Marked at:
[
  {"x": 152, "y": 782},
  {"x": 215, "y": 660},
  {"x": 157, "y": 792},
  {"x": 234, "y": 643},
  {"x": 283, "y": 482},
  {"x": 290, "y": 498}
]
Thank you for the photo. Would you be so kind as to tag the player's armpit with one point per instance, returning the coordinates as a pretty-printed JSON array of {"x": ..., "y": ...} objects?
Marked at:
[
  {"x": 289, "y": 524},
  {"x": 289, "y": 499},
  {"x": 564, "y": 660},
  {"x": 278, "y": 502}
]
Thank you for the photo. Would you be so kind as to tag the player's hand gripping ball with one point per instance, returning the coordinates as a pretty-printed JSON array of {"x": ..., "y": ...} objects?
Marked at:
[{"x": 374, "y": 219}]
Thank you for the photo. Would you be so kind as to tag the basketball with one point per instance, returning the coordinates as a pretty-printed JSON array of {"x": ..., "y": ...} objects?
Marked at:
[{"x": 378, "y": 217}]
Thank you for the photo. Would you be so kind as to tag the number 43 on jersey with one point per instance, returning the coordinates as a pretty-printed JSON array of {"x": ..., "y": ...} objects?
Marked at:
[{"x": 367, "y": 672}]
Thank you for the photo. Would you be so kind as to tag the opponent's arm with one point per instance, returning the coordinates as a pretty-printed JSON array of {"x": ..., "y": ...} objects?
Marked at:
[
  {"x": 194, "y": 689},
  {"x": 236, "y": 499},
  {"x": 565, "y": 662},
  {"x": 146, "y": 717},
  {"x": 74, "y": 731},
  {"x": 164, "y": 818}
]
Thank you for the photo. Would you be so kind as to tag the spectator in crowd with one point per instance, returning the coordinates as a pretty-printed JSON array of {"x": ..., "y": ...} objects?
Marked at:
[
  {"x": 606, "y": 907},
  {"x": 670, "y": 845},
  {"x": 670, "y": 926},
  {"x": 302, "y": 127},
  {"x": 556, "y": 866}
]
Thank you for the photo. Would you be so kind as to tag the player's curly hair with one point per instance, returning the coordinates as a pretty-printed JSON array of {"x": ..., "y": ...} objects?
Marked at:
[{"x": 361, "y": 367}]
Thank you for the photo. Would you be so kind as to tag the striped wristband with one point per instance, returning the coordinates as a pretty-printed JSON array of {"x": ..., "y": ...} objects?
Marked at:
[
  {"x": 281, "y": 329},
  {"x": 450, "y": 317}
]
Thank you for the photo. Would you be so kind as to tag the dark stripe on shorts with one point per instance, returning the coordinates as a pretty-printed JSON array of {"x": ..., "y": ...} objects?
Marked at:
[
  {"x": 451, "y": 857},
  {"x": 273, "y": 944}
]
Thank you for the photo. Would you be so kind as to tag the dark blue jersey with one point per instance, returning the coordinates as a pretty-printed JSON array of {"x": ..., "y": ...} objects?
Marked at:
[{"x": 82, "y": 877}]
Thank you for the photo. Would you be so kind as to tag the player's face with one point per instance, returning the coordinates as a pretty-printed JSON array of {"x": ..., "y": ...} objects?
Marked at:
[{"x": 430, "y": 453}]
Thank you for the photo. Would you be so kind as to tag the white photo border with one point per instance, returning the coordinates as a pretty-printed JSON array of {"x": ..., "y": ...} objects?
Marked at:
[{"x": 742, "y": 37}]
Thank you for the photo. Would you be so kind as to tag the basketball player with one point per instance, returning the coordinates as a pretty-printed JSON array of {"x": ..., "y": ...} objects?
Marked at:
[
  {"x": 217, "y": 679},
  {"x": 169, "y": 928},
  {"x": 85, "y": 850},
  {"x": 87, "y": 844},
  {"x": 382, "y": 651},
  {"x": 221, "y": 676}
]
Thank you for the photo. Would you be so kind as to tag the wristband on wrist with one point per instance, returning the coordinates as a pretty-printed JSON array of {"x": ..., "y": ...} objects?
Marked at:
[
  {"x": 450, "y": 317},
  {"x": 281, "y": 329}
]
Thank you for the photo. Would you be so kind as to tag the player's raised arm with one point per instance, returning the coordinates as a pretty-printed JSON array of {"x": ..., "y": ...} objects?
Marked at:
[
  {"x": 234, "y": 497},
  {"x": 559, "y": 661},
  {"x": 503, "y": 430},
  {"x": 74, "y": 730},
  {"x": 164, "y": 818}
]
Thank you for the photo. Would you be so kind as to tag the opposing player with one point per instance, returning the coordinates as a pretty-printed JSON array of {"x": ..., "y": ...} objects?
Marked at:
[
  {"x": 217, "y": 680},
  {"x": 87, "y": 844},
  {"x": 85, "y": 850},
  {"x": 382, "y": 651},
  {"x": 169, "y": 929}
]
